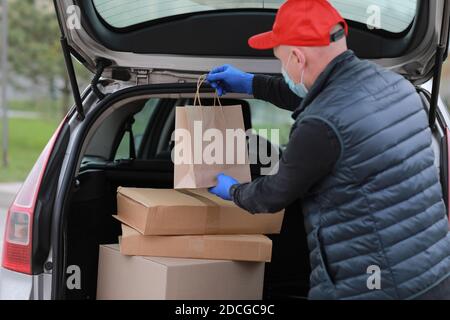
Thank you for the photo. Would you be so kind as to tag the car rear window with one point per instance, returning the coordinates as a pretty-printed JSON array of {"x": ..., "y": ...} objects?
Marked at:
[{"x": 391, "y": 15}]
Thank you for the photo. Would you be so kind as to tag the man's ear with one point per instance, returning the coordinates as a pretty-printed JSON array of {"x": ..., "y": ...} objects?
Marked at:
[
  {"x": 299, "y": 57},
  {"x": 275, "y": 52}
]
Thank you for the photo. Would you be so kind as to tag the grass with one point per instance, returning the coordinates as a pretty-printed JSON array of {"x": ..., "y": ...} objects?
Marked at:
[
  {"x": 27, "y": 139},
  {"x": 46, "y": 108}
]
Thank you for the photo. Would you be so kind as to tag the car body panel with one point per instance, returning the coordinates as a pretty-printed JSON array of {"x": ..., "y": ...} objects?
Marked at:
[{"x": 15, "y": 286}]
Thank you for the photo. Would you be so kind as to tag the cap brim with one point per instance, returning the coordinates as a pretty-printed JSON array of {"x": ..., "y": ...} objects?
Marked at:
[{"x": 263, "y": 41}]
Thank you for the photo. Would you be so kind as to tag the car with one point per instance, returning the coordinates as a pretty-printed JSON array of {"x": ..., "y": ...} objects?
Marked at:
[{"x": 145, "y": 59}]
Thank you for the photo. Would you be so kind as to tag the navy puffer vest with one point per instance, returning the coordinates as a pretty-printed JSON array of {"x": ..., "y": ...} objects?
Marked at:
[{"x": 381, "y": 208}]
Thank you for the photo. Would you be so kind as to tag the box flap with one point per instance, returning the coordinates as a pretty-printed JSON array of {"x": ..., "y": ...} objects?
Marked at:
[
  {"x": 122, "y": 221},
  {"x": 204, "y": 193},
  {"x": 128, "y": 232},
  {"x": 163, "y": 197}
]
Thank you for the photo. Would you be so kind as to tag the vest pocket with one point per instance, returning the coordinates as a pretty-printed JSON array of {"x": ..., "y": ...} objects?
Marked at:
[{"x": 322, "y": 260}]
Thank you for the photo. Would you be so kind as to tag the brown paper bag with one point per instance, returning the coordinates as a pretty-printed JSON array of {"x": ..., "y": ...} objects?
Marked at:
[{"x": 192, "y": 168}]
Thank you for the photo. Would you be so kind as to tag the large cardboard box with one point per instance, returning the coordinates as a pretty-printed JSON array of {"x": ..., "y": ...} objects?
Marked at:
[
  {"x": 144, "y": 278},
  {"x": 189, "y": 212},
  {"x": 213, "y": 247}
]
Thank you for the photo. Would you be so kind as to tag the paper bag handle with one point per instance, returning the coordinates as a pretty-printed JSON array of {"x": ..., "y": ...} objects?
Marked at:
[{"x": 200, "y": 82}]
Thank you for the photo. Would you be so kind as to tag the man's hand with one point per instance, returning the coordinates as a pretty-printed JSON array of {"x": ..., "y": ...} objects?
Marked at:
[
  {"x": 224, "y": 184},
  {"x": 229, "y": 79}
]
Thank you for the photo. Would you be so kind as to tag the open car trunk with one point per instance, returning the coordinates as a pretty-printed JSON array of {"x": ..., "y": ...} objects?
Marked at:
[
  {"x": 90, "y": 224},
  {"x": 175, "y": 41},
  {"x": 158, "y": 55},
  {"x": 193, "y": 36},
  {"x": 92, "y": 201}
]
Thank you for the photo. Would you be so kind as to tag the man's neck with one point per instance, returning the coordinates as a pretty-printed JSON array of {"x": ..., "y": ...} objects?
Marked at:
[{"x": 322, "y": 63}]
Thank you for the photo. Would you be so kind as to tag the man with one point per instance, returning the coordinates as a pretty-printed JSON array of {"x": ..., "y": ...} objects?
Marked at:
[{"x": 359, "y": 157}]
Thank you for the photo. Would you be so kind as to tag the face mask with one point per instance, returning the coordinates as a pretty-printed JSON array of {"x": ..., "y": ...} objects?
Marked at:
[{"x": 299, "y": 89}]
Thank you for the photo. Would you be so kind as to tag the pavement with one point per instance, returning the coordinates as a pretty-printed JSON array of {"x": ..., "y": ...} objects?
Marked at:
[
  {"x": 21, "y": 114},
  {"x": 7, "y": 193}
]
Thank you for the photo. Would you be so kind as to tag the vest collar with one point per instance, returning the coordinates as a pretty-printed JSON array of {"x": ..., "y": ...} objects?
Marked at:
[{"x": 323, "y": 80}]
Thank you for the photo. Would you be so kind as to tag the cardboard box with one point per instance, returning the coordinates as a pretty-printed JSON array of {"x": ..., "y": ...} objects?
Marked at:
[
  {"x": 189, "y": 212},
  {"x": 213, "y": 247},
  {"x": 144, "y": 278}
]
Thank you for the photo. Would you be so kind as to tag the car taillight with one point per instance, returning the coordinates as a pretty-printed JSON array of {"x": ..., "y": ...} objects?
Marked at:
[{"x": 17, "y": 245}]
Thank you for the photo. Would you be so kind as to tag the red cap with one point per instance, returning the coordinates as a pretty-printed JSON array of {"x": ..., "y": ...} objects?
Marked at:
[{"x": 303, "y": 23}]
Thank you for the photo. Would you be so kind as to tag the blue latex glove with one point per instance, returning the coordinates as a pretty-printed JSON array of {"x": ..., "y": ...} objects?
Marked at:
[
  {"x": 224, "y": 184},
  {"x": 230, "y": 79}
]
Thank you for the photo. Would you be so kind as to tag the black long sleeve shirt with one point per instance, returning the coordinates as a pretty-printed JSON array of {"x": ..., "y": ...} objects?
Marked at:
[{"x": 310, "y": 155}]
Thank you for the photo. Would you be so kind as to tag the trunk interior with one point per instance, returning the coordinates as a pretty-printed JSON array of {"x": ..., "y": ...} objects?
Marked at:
[{"x": 93, "y": 202}]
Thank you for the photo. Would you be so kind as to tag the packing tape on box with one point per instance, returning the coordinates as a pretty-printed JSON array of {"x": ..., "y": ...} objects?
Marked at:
[{"x": 212, "y": 211}]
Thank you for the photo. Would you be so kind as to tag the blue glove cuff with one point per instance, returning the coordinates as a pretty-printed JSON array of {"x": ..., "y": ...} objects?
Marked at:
[
  {"x": 249, "y": 83},
  {"x": 233, "y": 191}
]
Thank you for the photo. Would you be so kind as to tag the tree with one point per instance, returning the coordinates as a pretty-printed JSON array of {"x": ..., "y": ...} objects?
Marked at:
[{"x": 35, "y": 50}]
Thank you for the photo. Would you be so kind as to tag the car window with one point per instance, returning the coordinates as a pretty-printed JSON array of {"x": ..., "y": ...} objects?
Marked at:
[
  {"x": 141, "y": 121},
  {"x": 267, "y": 117},
  {"x": 390, "y": 15},
  {"x": 393, "y": 15}
]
